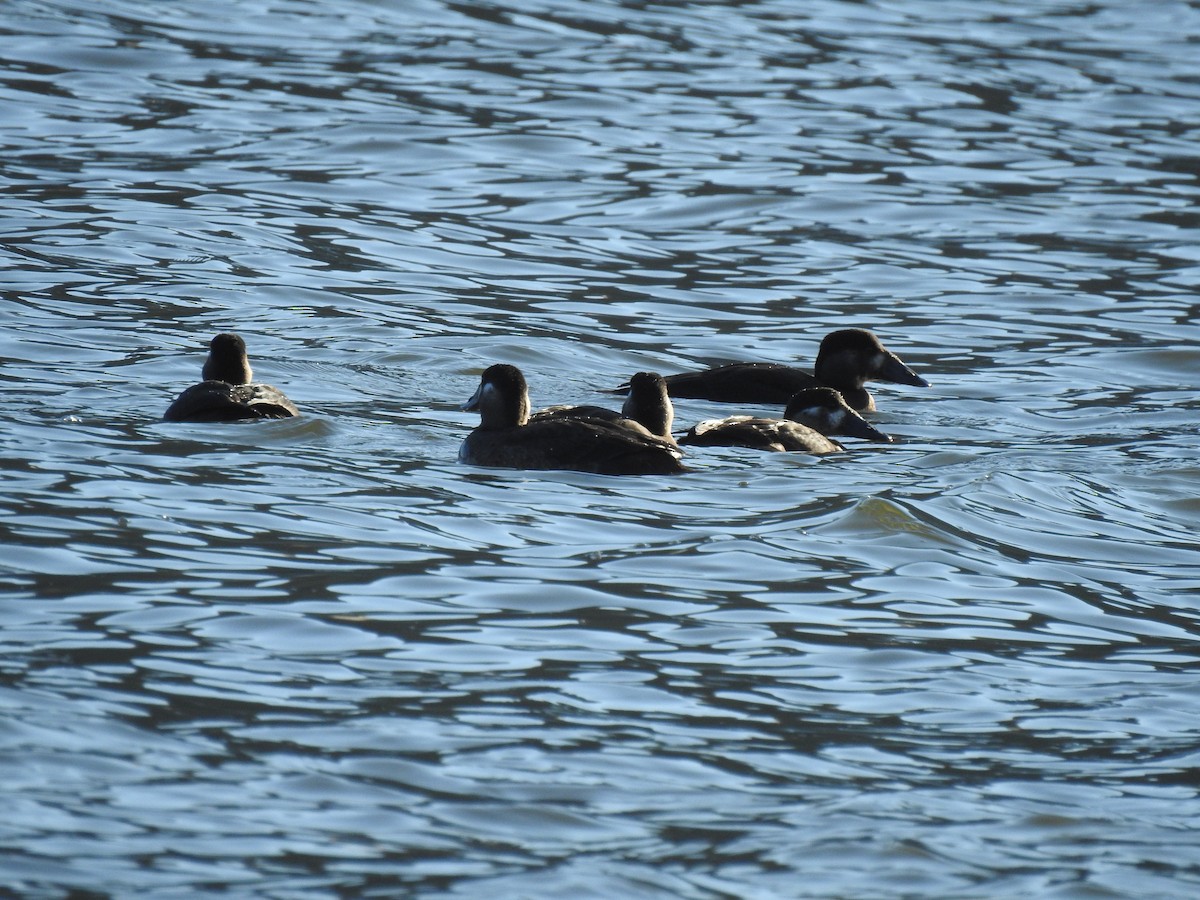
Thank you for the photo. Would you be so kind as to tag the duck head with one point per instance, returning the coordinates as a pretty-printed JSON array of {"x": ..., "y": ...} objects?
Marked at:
[
  {"x": 227, "y": 360},
  {"x": 648, "y": 403},
  {"x": 502, "y": 398},
  {"x": 826, "y": 411}
]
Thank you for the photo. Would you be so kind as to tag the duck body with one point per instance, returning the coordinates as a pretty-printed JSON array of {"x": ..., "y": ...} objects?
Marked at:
[
  {"x": 220, "y": 401},
  {"x": 846, "y": 361},
  {"x": 811, "y": 416},
  {"x": 603, "y": 443},
  {"x": 578, "y": 444},
  {"x": 759, "y": 433},
  {"x": 579, "y": 412},
  {"x": 228, "y": 393},
  {"x": 772, "y": 383}
]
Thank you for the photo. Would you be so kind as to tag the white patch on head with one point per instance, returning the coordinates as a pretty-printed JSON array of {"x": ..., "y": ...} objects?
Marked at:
[{"x": 815, "y": 413}]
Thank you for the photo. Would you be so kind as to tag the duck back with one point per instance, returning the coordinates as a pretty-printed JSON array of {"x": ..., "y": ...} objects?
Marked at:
[
  {"x": 741, "y": 383},
  {"x": 781, "y": 435},
  {"x": 219, "y": 401}
]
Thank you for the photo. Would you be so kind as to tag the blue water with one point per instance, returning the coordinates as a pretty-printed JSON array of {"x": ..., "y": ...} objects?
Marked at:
[{"x": 321, "y": 658}]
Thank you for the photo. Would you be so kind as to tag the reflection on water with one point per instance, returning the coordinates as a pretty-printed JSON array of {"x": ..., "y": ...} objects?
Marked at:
[{"x": 319, "y": 657}]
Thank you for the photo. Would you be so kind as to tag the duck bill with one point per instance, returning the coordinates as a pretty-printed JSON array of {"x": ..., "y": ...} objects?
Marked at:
[
  {"x": 895, "y": 371},
  {"x": 856, "y": 426},
  {"x": 473, "y": 404}
]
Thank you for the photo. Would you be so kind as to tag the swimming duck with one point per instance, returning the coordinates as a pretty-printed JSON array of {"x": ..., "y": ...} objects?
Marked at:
[
  {"x": 811, "y": 416},
  {"x": 506, "y": 437},
  {"x": 647, "y": 408},
  {"x": 846, "y": 360},
  {"x": 227, "y": 394}
]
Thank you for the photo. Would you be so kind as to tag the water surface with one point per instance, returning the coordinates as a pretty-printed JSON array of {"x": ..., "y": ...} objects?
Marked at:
[{"x": 320, "y": 657}]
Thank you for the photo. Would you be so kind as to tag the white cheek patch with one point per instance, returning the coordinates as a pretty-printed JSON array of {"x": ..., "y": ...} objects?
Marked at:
[{"x": 485, "y": 395}]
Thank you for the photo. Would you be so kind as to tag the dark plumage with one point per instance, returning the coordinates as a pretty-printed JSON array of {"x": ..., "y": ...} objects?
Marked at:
[
  {"x": 227, "y": 394},
  {"x": 649, "y": 404},
  {"x": 508, "y": 438},
  {"x": 811, "y": 416},
  {"x": 647, "y": 408},
  {"x": 846, "y": 360}
]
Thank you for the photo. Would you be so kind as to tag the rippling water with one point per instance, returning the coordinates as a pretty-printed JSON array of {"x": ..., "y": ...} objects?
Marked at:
[{"x": 319, "y": 657}]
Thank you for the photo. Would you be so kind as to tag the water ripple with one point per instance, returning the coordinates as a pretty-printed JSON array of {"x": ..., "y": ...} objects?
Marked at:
[{"x": 321, "y": 657}]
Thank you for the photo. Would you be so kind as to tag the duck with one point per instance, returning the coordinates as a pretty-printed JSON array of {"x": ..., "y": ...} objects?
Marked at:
[
  {"x": 228, "y": 393},
  {"x": 646, "y": 409},
  {"x": 847, "y": 359},
  {"x": 508, "y": 438},
  {"x": 810, "y": 417}
]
